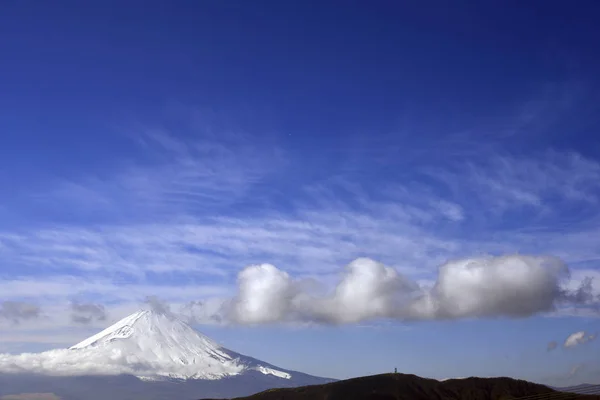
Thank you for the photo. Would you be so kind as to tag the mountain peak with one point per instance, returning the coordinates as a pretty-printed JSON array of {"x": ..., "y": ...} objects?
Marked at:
[
  {"x": 147, "y": 325},
  {"x": 120, "y": 329}
]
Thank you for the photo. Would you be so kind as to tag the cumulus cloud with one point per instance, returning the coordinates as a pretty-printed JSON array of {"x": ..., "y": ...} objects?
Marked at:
[
  {"x": 85, "y": 313},
  {"x": 16, "y": 311},
  {"x": 577, "y": 338},
  {"x": 266, "y": 294},
  {"x": 368, "y": 290},
  {"x": 509, "y": 286},
  {"x": 552, "y": 345},
  {"x": 513, "y": 286}
]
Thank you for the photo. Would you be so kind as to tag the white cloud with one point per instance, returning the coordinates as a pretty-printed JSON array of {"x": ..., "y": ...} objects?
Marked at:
[
  {"x": 578, "y": 338},
  {"x": 264, "y": 295},
  {"x": 53, "y": 363},
  {"x": 510, "y": 286},
  {"x": 368, "y": 290}
]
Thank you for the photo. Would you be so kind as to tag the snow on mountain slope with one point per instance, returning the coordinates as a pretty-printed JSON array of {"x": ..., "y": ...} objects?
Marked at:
[
  {"x": 120, "y": 329},
  {"x": 147, "y": 344}
]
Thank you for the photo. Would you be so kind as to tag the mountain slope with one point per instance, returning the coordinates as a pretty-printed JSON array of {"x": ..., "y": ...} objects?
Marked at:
[
  {"x": 161, "y": 345},
  {"x": 151, "y": 346},
  {"x": 412, "y": 387}
]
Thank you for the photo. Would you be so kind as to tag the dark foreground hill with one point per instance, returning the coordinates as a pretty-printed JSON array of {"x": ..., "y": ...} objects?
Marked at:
[{"x": 412, "y": 387}]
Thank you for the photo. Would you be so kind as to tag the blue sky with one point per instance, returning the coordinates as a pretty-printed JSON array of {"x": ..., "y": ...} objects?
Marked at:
[{"x": 155, "y": 149}]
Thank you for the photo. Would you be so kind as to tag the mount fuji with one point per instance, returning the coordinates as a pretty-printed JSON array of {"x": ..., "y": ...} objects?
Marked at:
[
  {"x": 144, "y": 350},
  {"x": 156, "y": 345}
]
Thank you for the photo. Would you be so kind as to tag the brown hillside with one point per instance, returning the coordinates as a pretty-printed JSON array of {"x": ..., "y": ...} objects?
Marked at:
[{"x": 412, "y": 387}]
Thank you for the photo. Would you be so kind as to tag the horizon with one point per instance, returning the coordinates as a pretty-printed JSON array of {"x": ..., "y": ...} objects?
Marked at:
[{"x": 393, "y": 185}]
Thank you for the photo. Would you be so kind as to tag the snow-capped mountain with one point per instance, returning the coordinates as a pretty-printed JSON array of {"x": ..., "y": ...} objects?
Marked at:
[
  {"x": 149, "y": 356},
  {"x": 160, "y": 345}
]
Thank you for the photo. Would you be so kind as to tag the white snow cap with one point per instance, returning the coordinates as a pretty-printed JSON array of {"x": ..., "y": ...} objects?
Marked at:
[{"x": 148, "y": 344}]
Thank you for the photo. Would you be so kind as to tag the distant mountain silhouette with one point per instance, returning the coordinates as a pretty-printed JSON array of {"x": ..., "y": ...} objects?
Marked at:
[{"x": 412, "y": 387}]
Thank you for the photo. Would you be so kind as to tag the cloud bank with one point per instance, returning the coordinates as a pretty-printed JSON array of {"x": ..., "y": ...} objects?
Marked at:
[
  {"x": 63, "y": 362},
  {"x": 504, "y": 286}
]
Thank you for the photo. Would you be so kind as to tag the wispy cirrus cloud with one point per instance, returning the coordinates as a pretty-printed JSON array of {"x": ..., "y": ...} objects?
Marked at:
[
  {"x": 205, "y": 172},
  {"x": 541, "y": 183}
]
